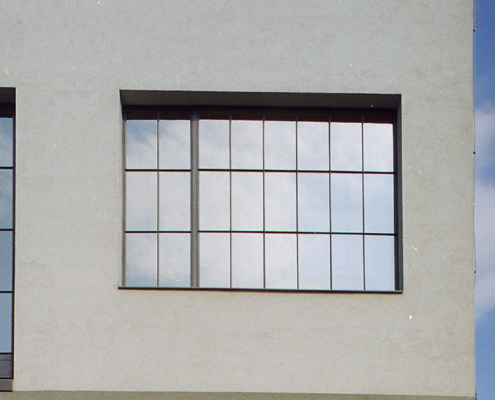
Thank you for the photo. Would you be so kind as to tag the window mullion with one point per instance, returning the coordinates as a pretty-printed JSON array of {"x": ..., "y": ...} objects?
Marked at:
[{"x": 194, "y": 199}]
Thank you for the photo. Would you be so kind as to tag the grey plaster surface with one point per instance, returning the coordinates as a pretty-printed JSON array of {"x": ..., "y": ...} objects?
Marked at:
[{"x": 74, "y": 330}]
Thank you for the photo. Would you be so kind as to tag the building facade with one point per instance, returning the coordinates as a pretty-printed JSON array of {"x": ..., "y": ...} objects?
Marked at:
[{"x": 236, "y": 199}]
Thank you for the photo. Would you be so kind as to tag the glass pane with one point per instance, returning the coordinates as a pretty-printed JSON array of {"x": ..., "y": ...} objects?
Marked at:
[
  {"x": 6, "y": 199},
  {"x": 247, "y": 144},
  {"x": 175, "y": 144},
  {"x": 247, "y": 260},
  {"x": 280, "y": 145},
  {"x": 214, "y": 259},
  {"x": 313, "y": 202},
  {"x": 5, "y": 323},
  {"x": 281, "y": 261},
  {"x": 280, "y": 201},
  {"x": 378, "y": 147},
  {"x": 141, "y": 259},
  {"x": 6, "y": 142},
  {"x": 141, "y": 201},
  {"x": 312, "y": 146},
  {"x": 6, "y": 253},
  {"x": 347, "y": 203},
  {"x": 380, "y": 262},
  {"x": 175, "y": 198},
  {"x": 346, "y": 146},
  {"x": 379, "y": 203},
  {"x": 347, "y": 262},
  {"x": 175, "y": 260},
  {"x": 214, "y": 144},
  {"x": 314, "y": 262},
  {"x": 247, "y": 201},
  {"x": 141, "y": 144},
  {"x": 214, "y": 201}
]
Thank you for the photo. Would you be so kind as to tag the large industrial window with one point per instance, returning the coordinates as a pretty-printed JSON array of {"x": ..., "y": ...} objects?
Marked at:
[
  {"x": 261, "y": 199},
  {"x": 6, "y": 244}
]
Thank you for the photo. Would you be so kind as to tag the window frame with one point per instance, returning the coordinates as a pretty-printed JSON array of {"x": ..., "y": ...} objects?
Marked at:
[
  {"x": 7, "y": 110},
  {"x": 367, "y": 114}
]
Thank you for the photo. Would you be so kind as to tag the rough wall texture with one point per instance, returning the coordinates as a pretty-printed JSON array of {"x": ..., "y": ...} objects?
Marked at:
[{"x": 74, "y": 330}]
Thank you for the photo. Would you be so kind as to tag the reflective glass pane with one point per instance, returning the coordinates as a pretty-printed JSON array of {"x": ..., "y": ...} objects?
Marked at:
[
  {"x": 380, "y": 271},
  {"x": 141, "y": 259},
  {"x": 280, "y": 201},
  {"x": 347, "y": 203},
  {"x": 214, "y": 201},
  {"x": 312, "y": 146},
  {"x": 175, "y": 199},
  {"x": 281, "y": 261},
  {"x": 247, "y": 201},
  {"x": 141, "y": 144},
  {"x": 6, "y": 142},
  {"x": 314, "y": 261},
  {"x": 280, "y": 145},
  {"x": 6, "y": 199},
  {"x": 247, "y": 260},
  {"x": 313, "y": 202},
  {"x": 175, "y": 144},
  {"x": 214, "y": 144},
  {"x": 175, "y": 259},
  {"x": 141, "y": 201},
  {"x": 247, "y": 144},
  {"x": 6, "y": 253},
  {"x": 378, "y": 147},
  {"x": 214, "y": 260},
  {"x": 5, "y": 322},
  {"x": 347, "y": 262},
  {"x": 346, "y": 153},
  {"x": 379, "y": 203}
]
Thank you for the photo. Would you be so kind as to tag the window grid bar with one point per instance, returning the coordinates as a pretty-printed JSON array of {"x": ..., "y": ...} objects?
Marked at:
[
  {"x": 156, "y": 169},
  {"x": 275, "y": 171},
  {"x": 195, "y": 277},
  {"x": 158, "y": 200},
  {"x": 264, "y": 205},
  {"x": 230, "y": 194},
  {"x": 297, "y": 205},
  {"x": 330, "y": 196},
  {"x": 270, "y": 232},
  {"x": 362, "y": 197}
]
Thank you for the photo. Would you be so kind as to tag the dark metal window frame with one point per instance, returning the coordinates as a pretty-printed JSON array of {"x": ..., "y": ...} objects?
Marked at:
[
  {"x": 366, "y": 114},
  {"x": 7, "y": 359}
]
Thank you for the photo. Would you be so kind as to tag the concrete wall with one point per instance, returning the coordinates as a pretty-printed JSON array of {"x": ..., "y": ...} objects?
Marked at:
[{"x": 75, "y": 330}]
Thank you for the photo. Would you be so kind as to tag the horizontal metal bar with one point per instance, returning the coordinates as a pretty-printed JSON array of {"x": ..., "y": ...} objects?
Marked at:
[
  {"x": 157, "y": 232},
  {"x": 156, "y": 170},
  {"x": 235, "y": 289}
]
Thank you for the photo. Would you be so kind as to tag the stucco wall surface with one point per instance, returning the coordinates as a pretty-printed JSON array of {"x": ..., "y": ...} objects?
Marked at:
[{"x": 75, "y": 330}]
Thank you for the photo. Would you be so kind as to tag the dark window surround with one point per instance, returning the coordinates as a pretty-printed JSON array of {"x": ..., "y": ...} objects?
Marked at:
[
  {"x": 7, "y": 110},
  {"x": 375, "y": 105}
]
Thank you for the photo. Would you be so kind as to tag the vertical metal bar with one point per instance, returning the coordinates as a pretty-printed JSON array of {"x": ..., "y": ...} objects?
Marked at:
[
  {"x": 230, "y": 193},
  {"x": 297, "y": 203},
  {"x": 124, "y": 194},
  {"x": 399, "y": 279},
  {"x": 362, "y": 199},
  {"x": 13, "y": 244},
  {"x": 264, "y": 205},
  {"x": 194, "y": 199},
  {"x": 330, "y": 195},
  {"x": 158, "y": 200}
]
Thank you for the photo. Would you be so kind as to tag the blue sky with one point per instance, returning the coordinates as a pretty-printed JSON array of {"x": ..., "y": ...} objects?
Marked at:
[{"x": 485, "y": 197}]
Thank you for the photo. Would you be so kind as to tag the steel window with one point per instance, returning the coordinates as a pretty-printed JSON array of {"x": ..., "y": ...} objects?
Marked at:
[
  {"x": 6, "y": 243},
  {"x": 261, "y": 199}
]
